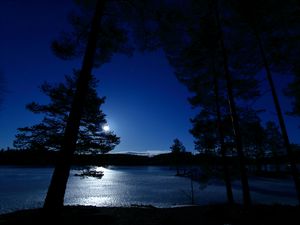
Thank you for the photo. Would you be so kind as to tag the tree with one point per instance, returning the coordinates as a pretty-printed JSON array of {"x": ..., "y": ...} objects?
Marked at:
[
  {"x": 177, "y": 150},
  {"x": 210, "y": 68},
  {"x": 293, "y": 92},
  {"x": 268, "y": 37},
  {"x": 254, "y": 137},
  {"x": 177, "y": 147},
  {"x": 291, "y": 28},
  {"x": 48, "y": 134},
  {"x": 97, "y": 34},
  {"x": 204, "y": 132},
  {"x": 233, "y": 110},
  {"x": 55, "y": 195},
  {"x": 274, "y": 143}
]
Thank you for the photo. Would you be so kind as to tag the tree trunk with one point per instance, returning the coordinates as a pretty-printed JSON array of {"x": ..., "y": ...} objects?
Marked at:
[
  {"x": 284, "y": 133},
  {"x": 221, "y": 140},
  {"x": 234, "y": 115},
  {"x": 55, "y": 196}
]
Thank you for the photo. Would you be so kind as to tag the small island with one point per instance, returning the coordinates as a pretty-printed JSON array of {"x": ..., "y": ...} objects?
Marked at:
[{"x": 90, "y": 173}]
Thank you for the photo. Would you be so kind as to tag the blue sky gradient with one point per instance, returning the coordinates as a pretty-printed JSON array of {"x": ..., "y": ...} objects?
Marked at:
[{"x": 146, "y": 106}]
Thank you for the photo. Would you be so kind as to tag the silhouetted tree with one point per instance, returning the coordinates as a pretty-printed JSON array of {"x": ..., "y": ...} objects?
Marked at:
[
  {"x": 260, "y": 17},
  {"x": 55, "y": 195},
  {"x": 222, "y": 141},
  {"x": 210, "y": 63},
  {"x": 274, "y": 143},
  {"x": 177, "y": 150},
  {"x": 254, "y": 137},
  {"x": 225, "y": 46},
  {"x": 97, "y": 39},
  {"x": 232, "y": 105},
  {"x": 177, "y": 147},
  {"x": 293, "y": 91},
  {"x": 291, "y": 26},
  {"x": 48, "y": 134},
  {"x": 205, "y": 133}
]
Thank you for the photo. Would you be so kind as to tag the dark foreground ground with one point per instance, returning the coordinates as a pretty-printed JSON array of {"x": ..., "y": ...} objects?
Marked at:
[{"x": 213, "y": 214}]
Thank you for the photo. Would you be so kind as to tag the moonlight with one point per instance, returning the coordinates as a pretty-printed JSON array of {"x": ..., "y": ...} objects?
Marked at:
[{"x": 106, "y": 128}]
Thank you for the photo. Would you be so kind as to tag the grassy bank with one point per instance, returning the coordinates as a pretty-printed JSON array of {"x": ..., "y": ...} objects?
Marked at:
[{"x": 192, "y": 215}]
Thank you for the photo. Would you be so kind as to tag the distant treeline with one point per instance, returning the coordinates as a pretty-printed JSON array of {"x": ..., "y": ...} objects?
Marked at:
[
  {"x": 48, "y": 158},
  {"x": 30, "y": 157}
]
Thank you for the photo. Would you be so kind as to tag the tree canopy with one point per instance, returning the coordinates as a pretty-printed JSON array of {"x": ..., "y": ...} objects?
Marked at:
[
  {"x": 48, "y": 134},
  {"x": 177, "y": 147}
]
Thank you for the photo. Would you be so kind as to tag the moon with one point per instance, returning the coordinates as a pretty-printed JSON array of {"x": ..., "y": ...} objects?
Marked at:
[{"x": 106, "y": 128}]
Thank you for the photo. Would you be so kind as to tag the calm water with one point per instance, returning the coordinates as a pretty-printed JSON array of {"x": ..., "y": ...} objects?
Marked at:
[{"x": 22, "y": 188}]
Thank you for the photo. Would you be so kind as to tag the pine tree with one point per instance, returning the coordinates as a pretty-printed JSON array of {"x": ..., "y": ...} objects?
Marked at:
[
  {"x": 205, "y": 63},
  {"x": 56, "y": 191},
  {"x": 48, "y": 134},
  {"x": 293, "y": 91},
  {"x": 253, "y": 136},
  {"x": 98, "y": 32},
  {"x": 265, "y": 27},
  {"x": 177, "y": 150},
  {"x": 274, "y": 144},
  {"x": 177, "y": 147}
]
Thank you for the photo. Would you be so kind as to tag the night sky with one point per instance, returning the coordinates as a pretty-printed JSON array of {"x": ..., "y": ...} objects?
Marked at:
[{"x": 146, "y": 106}]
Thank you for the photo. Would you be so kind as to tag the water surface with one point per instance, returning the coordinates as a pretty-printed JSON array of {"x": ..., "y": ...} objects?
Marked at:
[{"x": 26, "y": 187}]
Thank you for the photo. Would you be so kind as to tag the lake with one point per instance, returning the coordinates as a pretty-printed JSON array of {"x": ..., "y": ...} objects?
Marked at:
[{"x": 26, "y": 187}]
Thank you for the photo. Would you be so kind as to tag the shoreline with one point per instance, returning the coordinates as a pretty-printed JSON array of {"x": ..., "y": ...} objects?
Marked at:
[{"x": 139, "y": 215}]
